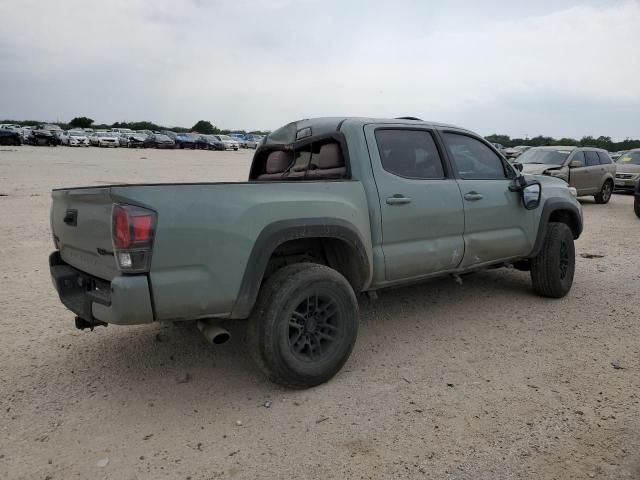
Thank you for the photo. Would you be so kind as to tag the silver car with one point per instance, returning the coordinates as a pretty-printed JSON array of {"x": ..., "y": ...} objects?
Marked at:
[
  {"x": 628, "y": 170},
  {"x": 589, "y": 170}
]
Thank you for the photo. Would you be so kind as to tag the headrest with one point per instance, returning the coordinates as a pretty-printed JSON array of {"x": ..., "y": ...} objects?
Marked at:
[
  {"x": 330, "y": 156},
  {"x": 278, "y": 161}
]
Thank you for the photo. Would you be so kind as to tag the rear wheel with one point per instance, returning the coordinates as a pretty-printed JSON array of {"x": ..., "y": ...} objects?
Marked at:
[
  {"x": 605, "y": 193},
  {"x": 636, "y": 206},
  {"x": 553, "y": 268},
  {"x": 304, "y": 325}
]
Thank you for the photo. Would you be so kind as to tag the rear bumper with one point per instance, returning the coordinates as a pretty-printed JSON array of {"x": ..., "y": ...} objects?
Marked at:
[{"x": 125, "y": 300}]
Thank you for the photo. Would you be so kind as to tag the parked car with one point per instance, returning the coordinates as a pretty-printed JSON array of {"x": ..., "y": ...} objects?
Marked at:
[
  {"x": 158, "y": 140},
  {"x": 75, "y": 138},
  {"x": 229, "y": 143},
  {"x": 10, "y": 137},
  {"x": 515, "y": 152},
  {"x": 253, "y": 140},
  {"x": 628, "y": 170},
  {"x": 25, "y": 132},
  {"x": 41, "y": 137},
  {"x": 104, "y": 139},
  {"x": 51, "y": 127},
  {"x": 215, "y": 143},
  {"x": 291, "y": 248},
  {"x": 170, "y": 134},
  {"x": 202, "y": 143},
  {"x": 131, "y": 139},
  {"x": 240, "y": 138},
  {"x": 184, "y": 140},
  {"x": 589, "y": 170}
]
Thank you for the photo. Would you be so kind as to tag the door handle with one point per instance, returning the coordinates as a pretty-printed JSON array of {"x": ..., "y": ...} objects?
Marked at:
[
  {"x": 472, "y": 196},
  {"x": 71, "y": 217},
  {"x": 398, "y": 199}
]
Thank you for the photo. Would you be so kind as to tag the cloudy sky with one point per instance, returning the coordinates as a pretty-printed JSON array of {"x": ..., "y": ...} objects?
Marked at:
[{"x": 560, "y": 68}]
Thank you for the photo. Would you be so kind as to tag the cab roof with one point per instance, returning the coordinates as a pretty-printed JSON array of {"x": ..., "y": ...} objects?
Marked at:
[{"x": 328, "y": 125}]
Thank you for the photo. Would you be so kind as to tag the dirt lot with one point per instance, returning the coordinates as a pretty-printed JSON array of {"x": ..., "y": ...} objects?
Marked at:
[{"x": 483, "y": 380}]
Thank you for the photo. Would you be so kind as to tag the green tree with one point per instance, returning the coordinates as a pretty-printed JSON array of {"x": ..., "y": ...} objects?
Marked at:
[
  {"x": 204, "y": 126},
  {"x": 503, "y": 140},
  {"x": 81, "y": 122}
]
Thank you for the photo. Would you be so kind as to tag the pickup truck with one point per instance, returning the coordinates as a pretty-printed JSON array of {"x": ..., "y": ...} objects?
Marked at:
[{"x": 333, "y": 207}]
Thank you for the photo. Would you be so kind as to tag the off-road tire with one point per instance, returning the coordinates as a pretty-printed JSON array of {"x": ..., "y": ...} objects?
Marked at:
[
  {"x": 553, "y": 268},
  {"x": 274, "y": 336},
  {"x": 605, "y": 193}
]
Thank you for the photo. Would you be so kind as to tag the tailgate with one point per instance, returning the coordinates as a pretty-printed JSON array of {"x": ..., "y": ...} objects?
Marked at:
[{"x": 81, "y": 224}]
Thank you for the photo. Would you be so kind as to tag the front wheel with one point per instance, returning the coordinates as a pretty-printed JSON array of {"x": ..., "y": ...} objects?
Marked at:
[
  {"x": 605, "y": 193},
  {"x": 304, "y": 325},
  {"x": 636, "y": 206},
  {"x": 553, "y": 268}
]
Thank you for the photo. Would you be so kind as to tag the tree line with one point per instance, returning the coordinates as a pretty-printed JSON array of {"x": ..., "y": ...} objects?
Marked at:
[
  {"x": 201, "y": 126},
  {"x": 599, "y": 142}
]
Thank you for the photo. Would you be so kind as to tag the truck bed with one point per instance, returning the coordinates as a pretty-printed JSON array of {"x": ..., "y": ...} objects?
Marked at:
[{"x": 205, "y": 233}]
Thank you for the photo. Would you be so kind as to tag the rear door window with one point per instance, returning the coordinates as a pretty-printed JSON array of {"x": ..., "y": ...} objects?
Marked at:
[
  {"x": 409, "y": 153},
  {"x": 592, "y": 158}
]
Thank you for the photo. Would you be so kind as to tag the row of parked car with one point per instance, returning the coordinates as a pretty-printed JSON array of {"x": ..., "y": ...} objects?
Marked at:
[
  {"x": 53, "y": 135},
  {"x": 590, "y": 170}
]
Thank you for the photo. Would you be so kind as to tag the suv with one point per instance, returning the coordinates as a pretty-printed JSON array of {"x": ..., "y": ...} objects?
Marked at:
[
  {"x": 589, "y": 170},
  {"x": 628, "y": 170},
  {"x": 332, "y": 207}
]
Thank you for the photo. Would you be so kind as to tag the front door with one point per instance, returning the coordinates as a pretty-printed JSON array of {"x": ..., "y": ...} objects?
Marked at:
[
  {"x": 422, "y": 212},
  {"x": 578, "y": 175},
  {"x": 497, "y": 226}
]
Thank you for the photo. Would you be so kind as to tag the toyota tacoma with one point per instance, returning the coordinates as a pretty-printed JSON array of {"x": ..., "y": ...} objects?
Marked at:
[{"x": 333, "y": 207}]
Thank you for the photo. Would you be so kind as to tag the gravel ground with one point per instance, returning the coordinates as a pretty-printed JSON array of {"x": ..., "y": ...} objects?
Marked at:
[{"x": 482, "y": 380}]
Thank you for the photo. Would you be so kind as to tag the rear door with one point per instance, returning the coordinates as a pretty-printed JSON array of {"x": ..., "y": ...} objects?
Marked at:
[
  {"x": 497, "y": 226},
  {"x": 422, "y": 212},
  {"x": 594, "y": 172}
]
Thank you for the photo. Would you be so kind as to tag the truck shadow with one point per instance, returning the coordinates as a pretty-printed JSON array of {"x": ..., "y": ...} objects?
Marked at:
[{"x": 158, "y": 361}]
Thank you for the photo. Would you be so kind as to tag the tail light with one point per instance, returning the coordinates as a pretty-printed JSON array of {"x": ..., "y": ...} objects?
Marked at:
[{"x": 133, "y": 230}]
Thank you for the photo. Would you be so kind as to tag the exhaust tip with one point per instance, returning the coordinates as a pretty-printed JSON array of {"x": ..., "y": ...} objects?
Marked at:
[
  {"x": 221, "y": 338},
  {"x": 213, "y": 333}
]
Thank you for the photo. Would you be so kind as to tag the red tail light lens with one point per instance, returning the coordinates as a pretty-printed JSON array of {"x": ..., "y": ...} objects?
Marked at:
[
  {"x": 142, "y": 228},
  {"x": 133, "y": 233},
  {"x": 121, "y": 230}
]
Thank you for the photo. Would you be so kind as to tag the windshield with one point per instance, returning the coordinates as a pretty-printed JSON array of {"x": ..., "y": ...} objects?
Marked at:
[
  {"x": 162, "y": 137},
  {"x": 225, "y": 137},
  {"x": 105, "y": 134},
  {"x": 76, "y": 134},
  {"x": 544, "y": 157},
  {"x": 629, "y": 158}
]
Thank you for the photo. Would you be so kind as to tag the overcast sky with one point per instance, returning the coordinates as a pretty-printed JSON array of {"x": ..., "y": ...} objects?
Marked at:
[{"x": 559, "y": 68}]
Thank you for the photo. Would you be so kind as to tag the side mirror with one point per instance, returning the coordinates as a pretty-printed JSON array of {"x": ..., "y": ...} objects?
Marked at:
[
  {"x": 576, "y": 164},
  {"x": 531, "y": 196},
  {"x": 517, "y": 166}
]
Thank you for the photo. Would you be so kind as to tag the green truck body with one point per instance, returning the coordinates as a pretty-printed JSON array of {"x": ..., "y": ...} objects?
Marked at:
[{"x": 213, "y": 245}]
